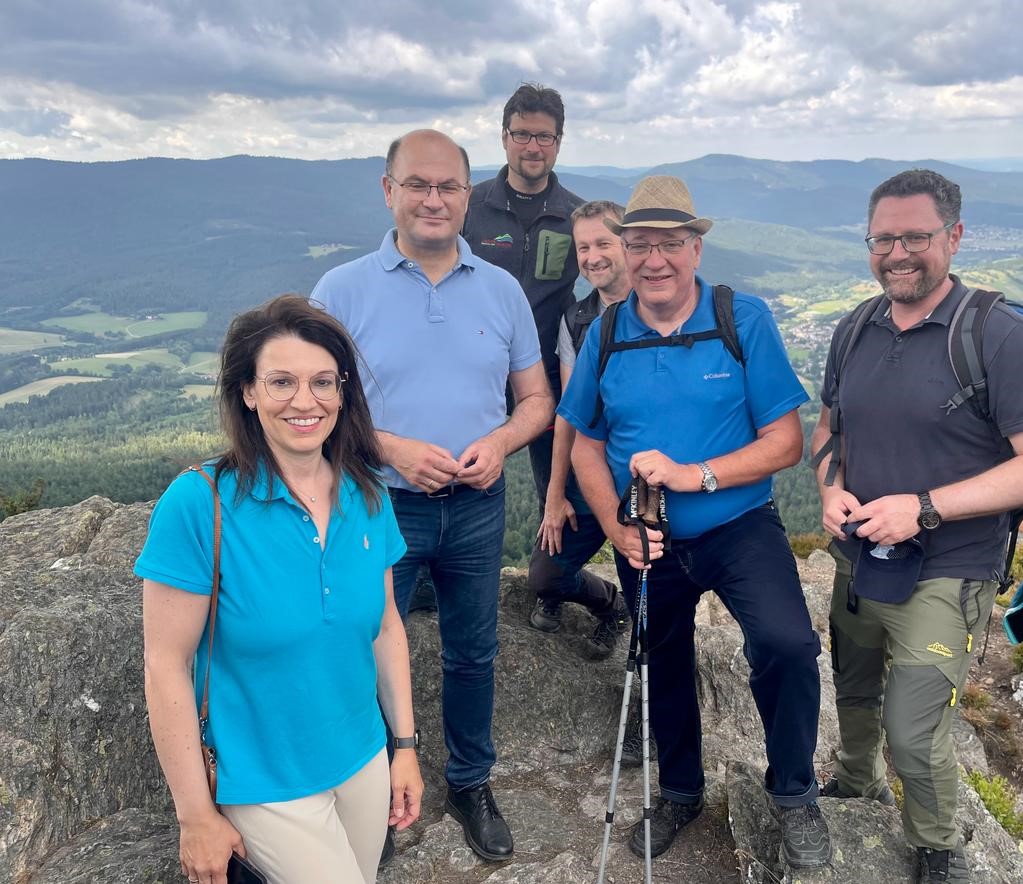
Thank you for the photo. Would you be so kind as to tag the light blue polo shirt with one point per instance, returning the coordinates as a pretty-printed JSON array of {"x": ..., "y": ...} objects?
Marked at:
[
  {"x": 691, "y": 404},
  {"x": 293, "y": 707},
  {"x": 435, "y": 358}
]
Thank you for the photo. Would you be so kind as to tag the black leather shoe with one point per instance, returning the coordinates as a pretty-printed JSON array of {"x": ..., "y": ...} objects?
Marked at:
[
  {"x": 486, "y": 832},
  {"x": 666, "y": 821},
  {"x": 387, "y": 854}
]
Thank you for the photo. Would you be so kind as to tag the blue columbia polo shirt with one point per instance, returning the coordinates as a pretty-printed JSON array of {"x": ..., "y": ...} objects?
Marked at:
[
  {"x": 293, "y": 708},
  {"x": 438, "y": 356},
  {"x": 690, "y": 404}
]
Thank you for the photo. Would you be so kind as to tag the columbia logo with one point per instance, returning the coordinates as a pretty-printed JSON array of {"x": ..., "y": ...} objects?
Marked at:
[{"x": 716, "y": 375}]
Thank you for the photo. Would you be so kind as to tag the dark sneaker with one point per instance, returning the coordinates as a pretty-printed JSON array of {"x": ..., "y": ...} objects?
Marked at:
[
  {"x": 942, "y": 865},
  {"x": 632, "y": 747},
  {"x": 387, "y": 854},
  {"x": 546, "y": 616},
  {"x": 833, "y": 789},
  {"x": 485, "y": 830},
  {"x": 424, "y": 593},
  {"x": 666, "y": 821},
  {"x": 805, "y": 841}
]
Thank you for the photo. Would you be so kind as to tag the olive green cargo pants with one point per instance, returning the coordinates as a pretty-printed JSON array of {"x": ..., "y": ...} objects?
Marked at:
[{"x": 899, "y": 670}]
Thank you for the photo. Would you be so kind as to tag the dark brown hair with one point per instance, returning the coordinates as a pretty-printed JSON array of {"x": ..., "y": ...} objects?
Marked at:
[
  {"x": 350, "y": 448},
  {"x": 535, "y": 98},
  {"x": 948, "y": 200}
]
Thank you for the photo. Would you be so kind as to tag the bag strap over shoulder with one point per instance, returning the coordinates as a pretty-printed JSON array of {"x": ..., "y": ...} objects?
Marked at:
[
  {"x": 966, "y": 350},
  {"x": 845, "y": 337},
  {"x": 724, "y": 328},
  {"x": 209, "y": 757}
]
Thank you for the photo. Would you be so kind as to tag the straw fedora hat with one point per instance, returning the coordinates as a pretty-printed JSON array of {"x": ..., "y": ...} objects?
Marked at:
[{"x": 660, "y": 201}]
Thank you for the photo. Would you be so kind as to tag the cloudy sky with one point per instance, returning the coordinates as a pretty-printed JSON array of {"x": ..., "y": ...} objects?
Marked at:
[{"x": 644, "y": 81}]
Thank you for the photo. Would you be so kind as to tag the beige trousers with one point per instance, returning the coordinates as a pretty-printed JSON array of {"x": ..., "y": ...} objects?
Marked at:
[{"x": 332, "y": 837}]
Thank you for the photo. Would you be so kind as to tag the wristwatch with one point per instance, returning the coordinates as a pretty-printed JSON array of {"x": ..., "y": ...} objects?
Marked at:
[
  {"x": 929, "y": 517},
  {"x": 710, "y": 481},
  {"x": 407, "y": 742}
]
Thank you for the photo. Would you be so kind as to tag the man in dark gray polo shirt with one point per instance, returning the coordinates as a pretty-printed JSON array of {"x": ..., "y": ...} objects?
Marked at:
[{"x": 913, "y": 471}]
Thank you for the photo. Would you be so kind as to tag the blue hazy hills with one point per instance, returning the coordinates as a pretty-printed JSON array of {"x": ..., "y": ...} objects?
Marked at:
[{"x": 221, "y": 234}]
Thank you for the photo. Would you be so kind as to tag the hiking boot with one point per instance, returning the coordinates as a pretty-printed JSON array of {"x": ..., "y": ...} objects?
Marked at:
[
  {"x": 666, "y": 822},
  {"x": 485, "y": 830},
  {"x": 632, "y": 746},
  {"x": 833, "y": 789},
  {"x": 387, "y": 854},
  {"x": 601, "y": 644},
  {"x": 546, "y": 616},
  {"x": 942, "y": 865},
  {"x": 805, "y": 841}
]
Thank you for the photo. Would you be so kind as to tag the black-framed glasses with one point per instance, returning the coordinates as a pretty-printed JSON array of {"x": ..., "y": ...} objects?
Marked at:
[
  {"x": 283, "y": 385},
  {"x": 521, "y": 136},
  {"x": 667, "y": 248},
  {"x": 911, "y": 242},
  {"x": 421, "y": 190}
]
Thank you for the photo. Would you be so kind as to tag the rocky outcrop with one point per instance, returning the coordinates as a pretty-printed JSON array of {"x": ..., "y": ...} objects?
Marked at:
[{"x": 82, "y": 800}]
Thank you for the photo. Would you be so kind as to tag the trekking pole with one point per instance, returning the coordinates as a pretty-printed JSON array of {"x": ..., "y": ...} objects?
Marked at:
[
  {"x": 630, "y": 669},
  {"x": 644, "y": 693},
  {"x": 641, "y": 506}
]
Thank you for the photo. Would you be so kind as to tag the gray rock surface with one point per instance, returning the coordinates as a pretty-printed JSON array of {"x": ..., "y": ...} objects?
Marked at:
[{"x": 82, "y": 800}]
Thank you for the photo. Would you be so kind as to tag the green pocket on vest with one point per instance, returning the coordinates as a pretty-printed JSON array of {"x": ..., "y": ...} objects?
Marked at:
[{"x": 551, "y": 254}]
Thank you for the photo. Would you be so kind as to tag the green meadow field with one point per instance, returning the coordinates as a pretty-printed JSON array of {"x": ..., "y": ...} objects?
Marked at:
[
  {"x": 40, "y": 388},
  {"x": 103, "y": 364},
  {"x": 104, "y": 324},
  {"x": 14, "y": 341}
]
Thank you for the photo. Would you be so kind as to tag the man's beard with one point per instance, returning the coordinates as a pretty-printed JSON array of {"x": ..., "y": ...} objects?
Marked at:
[{"x": 912, "y": 289}]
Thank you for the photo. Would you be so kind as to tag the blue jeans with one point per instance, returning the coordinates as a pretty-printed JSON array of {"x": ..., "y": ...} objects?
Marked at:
[
  {"x": 460, "y": 538},
  {"x": 749, "y": 564},
  {"x": 560, "y": 578}
]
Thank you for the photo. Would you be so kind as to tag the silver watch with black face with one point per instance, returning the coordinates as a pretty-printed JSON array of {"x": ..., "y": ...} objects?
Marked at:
[
  {"x": 710, "y": 481},
  {"x": 929, "y": 517}
]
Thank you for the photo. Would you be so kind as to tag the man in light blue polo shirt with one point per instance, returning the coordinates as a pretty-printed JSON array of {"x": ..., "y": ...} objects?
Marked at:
[
  {"x": 441, "y": 332},
  {"x": 710, "y": 428}
]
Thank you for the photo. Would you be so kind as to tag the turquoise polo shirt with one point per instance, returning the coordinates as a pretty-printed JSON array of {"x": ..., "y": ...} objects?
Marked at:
[
  {"x": 435, "y": 358},
  {"x": 689, "y": 403},
  {"x": 293, "y": 706}
]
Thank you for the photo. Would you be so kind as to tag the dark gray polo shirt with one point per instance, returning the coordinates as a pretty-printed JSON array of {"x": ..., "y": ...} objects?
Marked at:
[{"x": 898, "y": 438}]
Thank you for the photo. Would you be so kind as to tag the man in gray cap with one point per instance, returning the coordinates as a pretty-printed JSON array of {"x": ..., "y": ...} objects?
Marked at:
[{"x": 710, "y": 422}]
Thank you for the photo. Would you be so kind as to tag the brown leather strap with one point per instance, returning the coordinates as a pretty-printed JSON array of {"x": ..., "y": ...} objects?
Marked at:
[{"x": 209, "y": 758}]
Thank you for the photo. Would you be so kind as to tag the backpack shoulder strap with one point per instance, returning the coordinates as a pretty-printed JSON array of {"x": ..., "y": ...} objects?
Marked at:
[
  {"x": 846, "y": 336},
  {"x": 579, "y": 317},
  {"x": 724, "y": 318},
  {"x": 966, "y": 351},
  {"x": 607, "y": 336}
]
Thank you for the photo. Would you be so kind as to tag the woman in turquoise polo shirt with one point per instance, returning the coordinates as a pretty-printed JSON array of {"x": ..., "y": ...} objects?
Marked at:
[{"x": 307, "y": 635}]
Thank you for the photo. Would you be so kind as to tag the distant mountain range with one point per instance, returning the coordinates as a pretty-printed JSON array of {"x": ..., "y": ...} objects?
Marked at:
[{"x": 219, "y": 235}]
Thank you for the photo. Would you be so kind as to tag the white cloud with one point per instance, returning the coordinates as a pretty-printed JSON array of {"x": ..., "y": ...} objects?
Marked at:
[{"x": 646, "y": 82}]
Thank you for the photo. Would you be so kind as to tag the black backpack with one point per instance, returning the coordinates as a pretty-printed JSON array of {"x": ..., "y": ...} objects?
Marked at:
[
  {"x": 724, "y": 318},
  {"x": 965, "y": 352}
]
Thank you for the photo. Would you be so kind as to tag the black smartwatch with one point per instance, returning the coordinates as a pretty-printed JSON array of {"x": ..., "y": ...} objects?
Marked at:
[
  {"x": 929, "y": 517},
  {"x": 407, "y": 742}
]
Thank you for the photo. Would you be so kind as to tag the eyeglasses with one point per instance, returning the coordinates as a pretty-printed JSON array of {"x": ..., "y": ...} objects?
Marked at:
[
  {"x": 911, "y": 242},
  {"x": 521, "y": 136},
  {"x": 282, "y": 385},
  {"x": 667, "y": 248},
  {"x": 447, "y": 190}
]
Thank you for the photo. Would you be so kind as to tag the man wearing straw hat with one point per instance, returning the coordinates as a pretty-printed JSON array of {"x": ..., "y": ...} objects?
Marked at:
[{"x": 709, "y": 422}]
